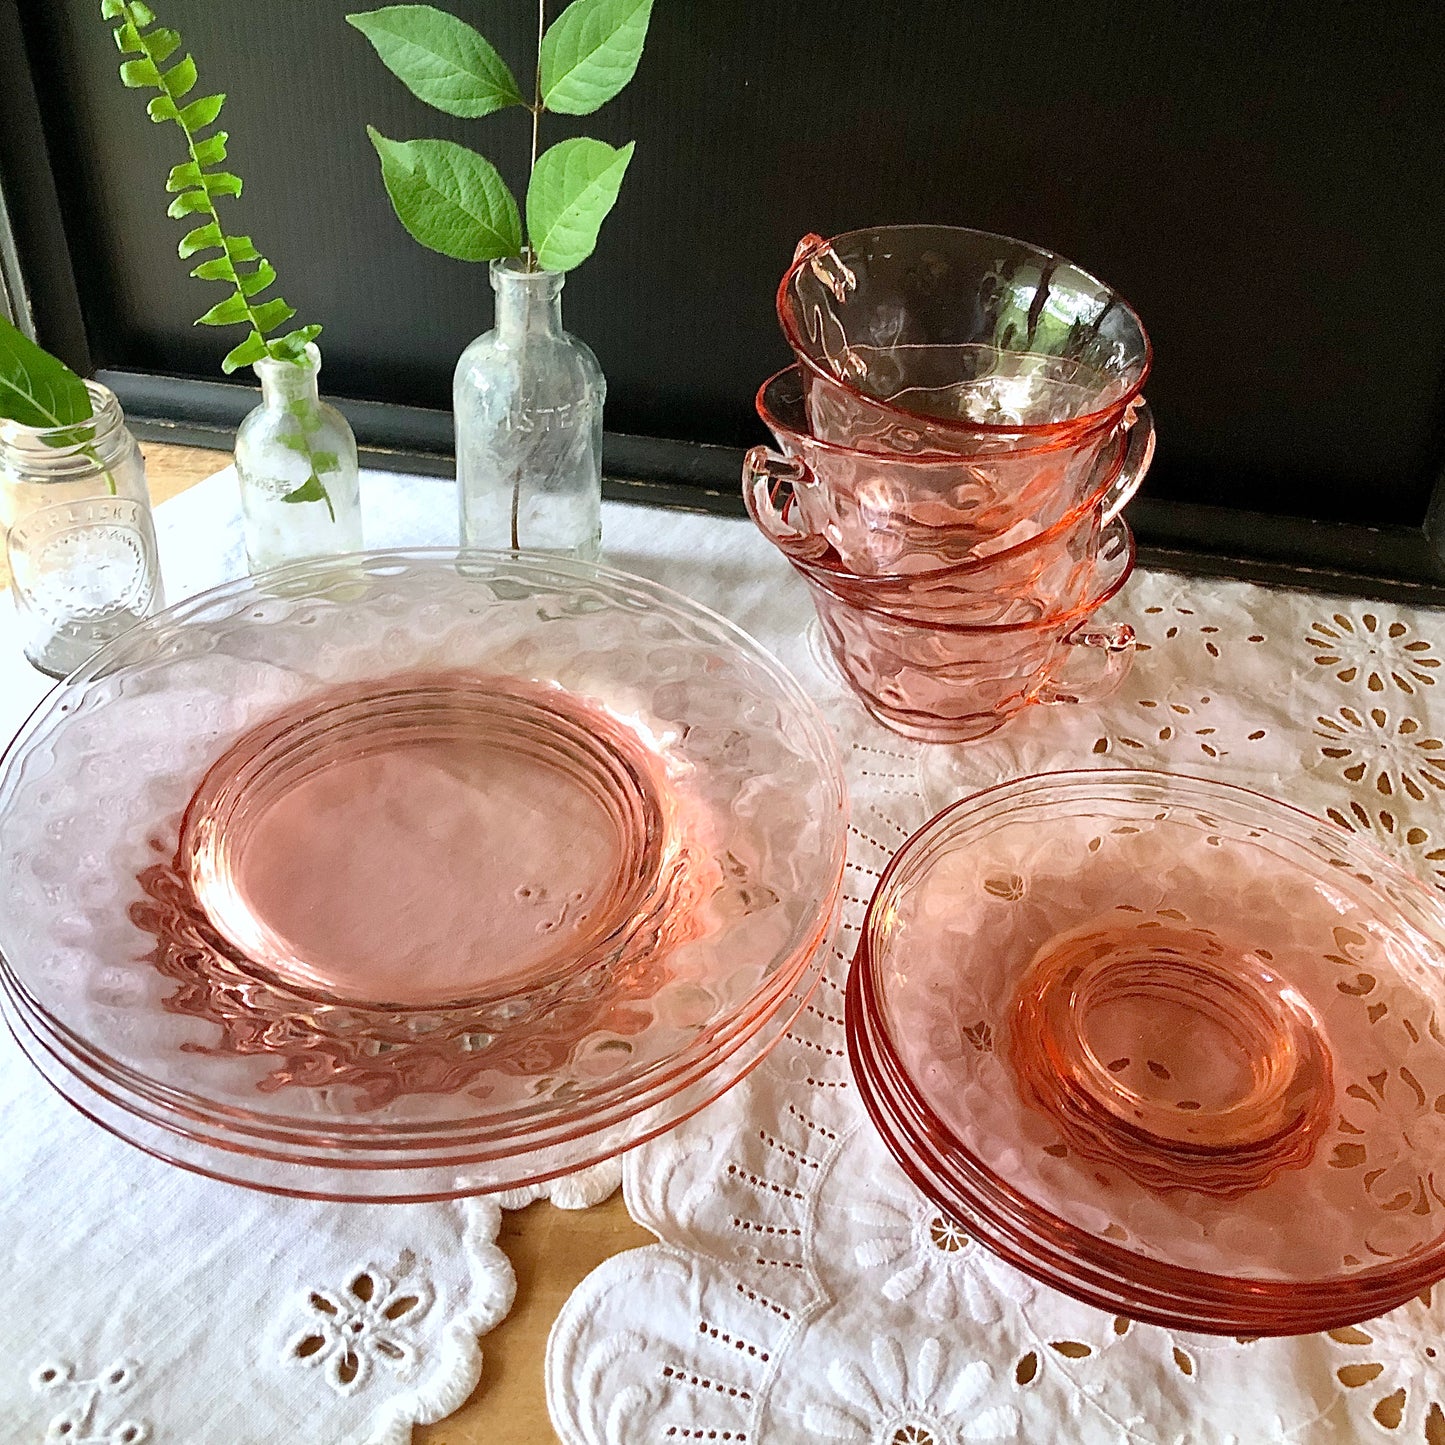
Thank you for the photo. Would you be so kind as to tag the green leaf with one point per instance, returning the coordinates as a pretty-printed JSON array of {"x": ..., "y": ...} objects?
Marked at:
[
  {"x": 573, "y": 187},
  {"x": 292, "y": 346},
  {"x": 240, "y": 248},
  {"x": 128, "y": 39},
  {"x": 143, "y": 13},
  {"x": 162, "y": 108},
  {"x": 440, "y": 59},
  {"x": 36, "y": 389},
  {"x": 212, "y": 150},
  {"x": 590, "y": 52},
  {"x": 184, "y": 176},
  {"x": 258, "y": 280},
  {"x": 251, "y": 350},
  {"x": 221, "y": 183},
  {"x": 451, "y": 199},
  {"x": 310, "y": 490},
  {"x": 112, "y": 9},
  {"x": 218, "y": 268},
  {"x": 137, "y": 73},
  {"x": 188, "y": 203},
  {"x": 325, "y": 462},
  {"x": 200, "y": 113},
  {"x": 270, "y": 314},
  {"x": 201, "y": 239},
  {"x": 225, "y": 313},
  {"x": 180, "y": 79},
  {"x": 160, "y": 44}
]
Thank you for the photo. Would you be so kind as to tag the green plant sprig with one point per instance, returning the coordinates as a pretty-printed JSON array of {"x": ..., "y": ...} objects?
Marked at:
[
  {"x": 455, "y": 201},
  {"x": 197, "y": 183},
  {"x": 39, "y": 390}
]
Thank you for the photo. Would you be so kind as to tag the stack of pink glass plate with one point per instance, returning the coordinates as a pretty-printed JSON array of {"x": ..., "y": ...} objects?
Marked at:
[
  {"x": 408, "y": 875},
  {"x": 959, "y": 434},
  {"x": 1167, "y": 1045}
]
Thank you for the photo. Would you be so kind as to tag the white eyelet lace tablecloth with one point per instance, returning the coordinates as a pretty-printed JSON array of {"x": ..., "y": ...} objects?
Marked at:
[{"x": 803, "y": 1290}]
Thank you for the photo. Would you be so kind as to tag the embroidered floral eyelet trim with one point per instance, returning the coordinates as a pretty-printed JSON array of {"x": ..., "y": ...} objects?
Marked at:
[{"x": 368, "y": 1324}]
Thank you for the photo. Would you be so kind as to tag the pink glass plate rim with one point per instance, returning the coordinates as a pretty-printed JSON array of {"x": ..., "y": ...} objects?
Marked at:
[
  {"x": 1071, "y": 427},
  {"x": 608, "y": 1105},
  {"x": 701, "y": 1090}
]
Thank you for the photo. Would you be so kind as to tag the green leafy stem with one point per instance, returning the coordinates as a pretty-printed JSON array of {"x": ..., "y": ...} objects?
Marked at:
[
  {"x": 39, "y": 390},
  {"x": 455, "y": 201},
  {"x": 197, "y": 183}
]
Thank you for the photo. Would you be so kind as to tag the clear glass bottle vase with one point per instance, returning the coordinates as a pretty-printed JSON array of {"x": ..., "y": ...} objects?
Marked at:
[
  {"x": 527, "y": 398},
  {"x": 75, "y": 519},
  {"x": 296, "y": 464}
]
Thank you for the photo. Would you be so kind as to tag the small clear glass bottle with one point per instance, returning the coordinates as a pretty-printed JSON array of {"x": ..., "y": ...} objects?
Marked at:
[
  {"x": 296, "y": 464},
  {"x": 527, "y": 398},
  {"x": 79, "y": 540}
]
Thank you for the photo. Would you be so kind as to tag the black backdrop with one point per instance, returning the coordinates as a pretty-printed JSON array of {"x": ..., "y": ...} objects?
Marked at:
[{"x": 1265, "y": 181}]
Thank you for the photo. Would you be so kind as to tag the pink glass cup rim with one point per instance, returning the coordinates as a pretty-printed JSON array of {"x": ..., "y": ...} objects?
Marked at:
[
  {"x": 823, "y": 569},
  {"x": 812, "y": 244},
  {"x": 1265, "y": 1308},
  {"x": 1068, "y": 435},
  {"x": 1051, "y": 622}
]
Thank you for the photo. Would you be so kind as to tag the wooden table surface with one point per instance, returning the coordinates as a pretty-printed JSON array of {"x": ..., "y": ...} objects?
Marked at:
[{"x": 550, "y": 1249}]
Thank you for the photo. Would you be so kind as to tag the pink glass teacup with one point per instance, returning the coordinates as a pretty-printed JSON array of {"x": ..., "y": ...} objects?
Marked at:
[
  {"x": 1001, "y": 581},
  {"x": 950, "y": 683},
  {"x": 904, "y": 515},
  {"x": 937, "y": 338}
]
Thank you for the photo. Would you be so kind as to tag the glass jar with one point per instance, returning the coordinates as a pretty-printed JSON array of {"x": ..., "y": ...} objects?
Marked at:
[
  {"x": 79, "y": 540},
  {"x": 528, "y": 403},
  {"x": 296, "y": 465}
]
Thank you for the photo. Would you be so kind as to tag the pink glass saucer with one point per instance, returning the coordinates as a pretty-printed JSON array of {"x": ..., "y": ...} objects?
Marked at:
[
  {"x": 1166, "y": 1044},
  {"x": 414, "y": 875}
]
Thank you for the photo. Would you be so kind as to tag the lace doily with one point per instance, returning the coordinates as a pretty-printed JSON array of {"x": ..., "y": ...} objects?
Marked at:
[{"x": 802, "y": 1288}]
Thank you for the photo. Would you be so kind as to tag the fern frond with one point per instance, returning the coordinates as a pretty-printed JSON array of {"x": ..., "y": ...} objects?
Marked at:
[{"x": 197, "y": 184}]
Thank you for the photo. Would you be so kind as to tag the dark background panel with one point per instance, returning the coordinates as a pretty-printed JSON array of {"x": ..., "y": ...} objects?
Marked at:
[{"x": 1262, "y": 180}]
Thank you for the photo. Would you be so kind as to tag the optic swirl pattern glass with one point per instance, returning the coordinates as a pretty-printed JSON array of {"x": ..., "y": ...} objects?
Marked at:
[
  {"x": 940, "y": 339},
  {"x": 897, "y": 514},
  {"x": 426, "y": 874},
  {"x": 945, "y": 682},
  {"x": 1166, "y": 1044},
  {"x": 1000, "y": 581}
]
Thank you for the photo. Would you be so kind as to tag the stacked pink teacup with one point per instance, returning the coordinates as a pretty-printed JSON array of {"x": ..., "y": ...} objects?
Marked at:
[{"x": 958, "y": 435}]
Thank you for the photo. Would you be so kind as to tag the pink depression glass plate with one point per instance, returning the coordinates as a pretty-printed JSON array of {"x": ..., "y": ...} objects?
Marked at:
[
  {"x": 1166, "y": 1044},
  {"x": 411, "y": 875}
]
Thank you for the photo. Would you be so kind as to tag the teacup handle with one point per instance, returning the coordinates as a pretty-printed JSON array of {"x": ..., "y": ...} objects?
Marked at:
[
  {"x": 1116, "y": 644},
  {"x": 1138, "y": 425},
  {"x": 765, "y": 474},
  {"x": 826, "y": 265}
]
